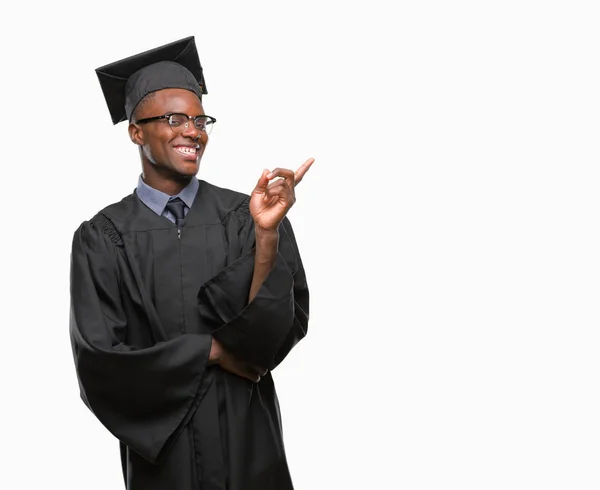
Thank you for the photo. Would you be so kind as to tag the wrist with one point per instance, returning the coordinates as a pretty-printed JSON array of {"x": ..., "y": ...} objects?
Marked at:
[
  {"x": 265, "y": 234},
  {"x": 267, "y": 245},
  {"x": 214, "y": 357}
]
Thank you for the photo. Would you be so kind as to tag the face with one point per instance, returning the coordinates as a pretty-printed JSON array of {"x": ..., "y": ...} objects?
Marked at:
[{"x": 169, "y": 154}]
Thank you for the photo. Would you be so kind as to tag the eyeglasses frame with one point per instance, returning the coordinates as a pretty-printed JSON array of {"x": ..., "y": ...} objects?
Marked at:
[{"x": 169, "y": 114}]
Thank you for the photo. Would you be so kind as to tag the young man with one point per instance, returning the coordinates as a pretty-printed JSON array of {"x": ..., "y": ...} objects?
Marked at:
[{"x": 185, "y": 296}]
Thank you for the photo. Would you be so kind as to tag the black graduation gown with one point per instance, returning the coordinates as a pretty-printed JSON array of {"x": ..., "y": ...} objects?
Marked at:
[{"x": 145, "y": 305}]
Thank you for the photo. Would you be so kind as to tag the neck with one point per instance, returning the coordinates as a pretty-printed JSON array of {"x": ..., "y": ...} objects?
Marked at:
[{"x": 170, "y": 184}]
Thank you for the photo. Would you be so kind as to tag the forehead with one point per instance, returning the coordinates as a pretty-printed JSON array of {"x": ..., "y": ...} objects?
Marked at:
[{"x": 174, "y": 100}]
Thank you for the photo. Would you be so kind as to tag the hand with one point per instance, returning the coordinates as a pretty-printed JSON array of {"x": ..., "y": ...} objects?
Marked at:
[
  {"x": 269, "y": 203},
  {"x": 218, "y": 355}
]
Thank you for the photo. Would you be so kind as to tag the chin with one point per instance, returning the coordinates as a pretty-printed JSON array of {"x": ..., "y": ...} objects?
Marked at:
[{"x": 188, "y": 169}]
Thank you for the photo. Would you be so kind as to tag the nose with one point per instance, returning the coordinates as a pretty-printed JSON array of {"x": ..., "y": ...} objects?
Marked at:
[{"x": 191, "y": 131}]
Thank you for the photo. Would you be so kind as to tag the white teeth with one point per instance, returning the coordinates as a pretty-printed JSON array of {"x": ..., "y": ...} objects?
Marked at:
[{"x": 187, "y": 150}]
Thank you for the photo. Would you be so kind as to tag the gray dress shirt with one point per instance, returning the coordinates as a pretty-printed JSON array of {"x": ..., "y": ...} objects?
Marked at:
[{"x": 157, "y": 200}]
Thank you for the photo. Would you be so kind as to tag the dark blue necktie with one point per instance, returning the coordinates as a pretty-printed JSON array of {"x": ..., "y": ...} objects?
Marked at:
[{"x": 176, "y": 207}]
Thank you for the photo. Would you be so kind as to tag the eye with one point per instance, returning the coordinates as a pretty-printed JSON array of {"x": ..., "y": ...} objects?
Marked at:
[
  {"x": 202, "y": 122},
  {"x": 177, "y": 120}
]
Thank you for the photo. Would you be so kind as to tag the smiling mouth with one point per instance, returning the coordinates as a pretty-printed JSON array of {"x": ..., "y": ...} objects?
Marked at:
[{"x": 187, "y": 151}]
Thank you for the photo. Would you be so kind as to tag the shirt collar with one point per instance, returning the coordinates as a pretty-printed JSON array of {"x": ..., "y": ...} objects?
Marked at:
[{"x": 157, "y": 200}]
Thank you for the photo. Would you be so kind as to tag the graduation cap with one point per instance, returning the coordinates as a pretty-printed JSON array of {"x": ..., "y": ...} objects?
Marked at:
[{"x": 126, "y": 82}]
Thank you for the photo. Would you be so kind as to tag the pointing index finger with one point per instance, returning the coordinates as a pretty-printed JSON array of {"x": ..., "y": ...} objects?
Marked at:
[{"x": 303, "y": 169}]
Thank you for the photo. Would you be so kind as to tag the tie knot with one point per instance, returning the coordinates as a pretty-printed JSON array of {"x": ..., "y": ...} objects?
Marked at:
[{"x": 176, "y": 207}]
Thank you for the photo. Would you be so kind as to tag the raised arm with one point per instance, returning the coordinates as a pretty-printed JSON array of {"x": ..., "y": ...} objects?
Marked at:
[
  {"x": 258, "y": 306},
  {"x": 269, "y": 204}
]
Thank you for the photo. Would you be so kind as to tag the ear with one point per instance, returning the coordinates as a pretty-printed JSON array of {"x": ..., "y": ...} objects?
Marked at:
[{"x": 136, "y": 133}]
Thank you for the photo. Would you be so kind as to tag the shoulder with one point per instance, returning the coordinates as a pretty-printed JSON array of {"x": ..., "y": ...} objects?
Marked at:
[
  {"x": 226, "y": 201},
  {"x": 228, "y": 197},
  {"x": 122, "y": 211},
  {"x": 107, "y": 222}
]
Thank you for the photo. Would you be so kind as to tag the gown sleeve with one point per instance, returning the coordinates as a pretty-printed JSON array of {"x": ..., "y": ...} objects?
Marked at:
[
  {"x": 265, "y": 330},
  {"x": 144, "y": 395}
]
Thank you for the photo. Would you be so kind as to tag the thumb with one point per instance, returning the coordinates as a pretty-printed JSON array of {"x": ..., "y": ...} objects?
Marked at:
[{"x": 263, "y": 182}]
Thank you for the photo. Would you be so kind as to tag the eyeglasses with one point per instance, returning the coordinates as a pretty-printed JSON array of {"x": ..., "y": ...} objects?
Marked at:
[{"x": 180, "y": 122}]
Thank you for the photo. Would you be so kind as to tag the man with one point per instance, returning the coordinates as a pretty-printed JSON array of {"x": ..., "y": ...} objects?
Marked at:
[{"x": 185, "y": 296}]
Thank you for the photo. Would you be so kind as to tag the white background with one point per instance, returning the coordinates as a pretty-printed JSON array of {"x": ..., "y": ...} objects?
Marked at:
[{"x": 449, "y": 228}]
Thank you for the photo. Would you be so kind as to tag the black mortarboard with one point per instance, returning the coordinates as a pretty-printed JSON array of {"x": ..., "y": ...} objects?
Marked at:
[{"x": 126, "y": 82}]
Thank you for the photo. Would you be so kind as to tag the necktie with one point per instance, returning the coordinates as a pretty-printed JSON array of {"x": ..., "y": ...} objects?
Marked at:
[{"x": 175, "y": 207}]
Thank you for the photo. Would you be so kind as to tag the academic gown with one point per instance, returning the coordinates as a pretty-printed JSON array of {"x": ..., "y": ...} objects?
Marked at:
[{"x": 145, "y": 304}]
